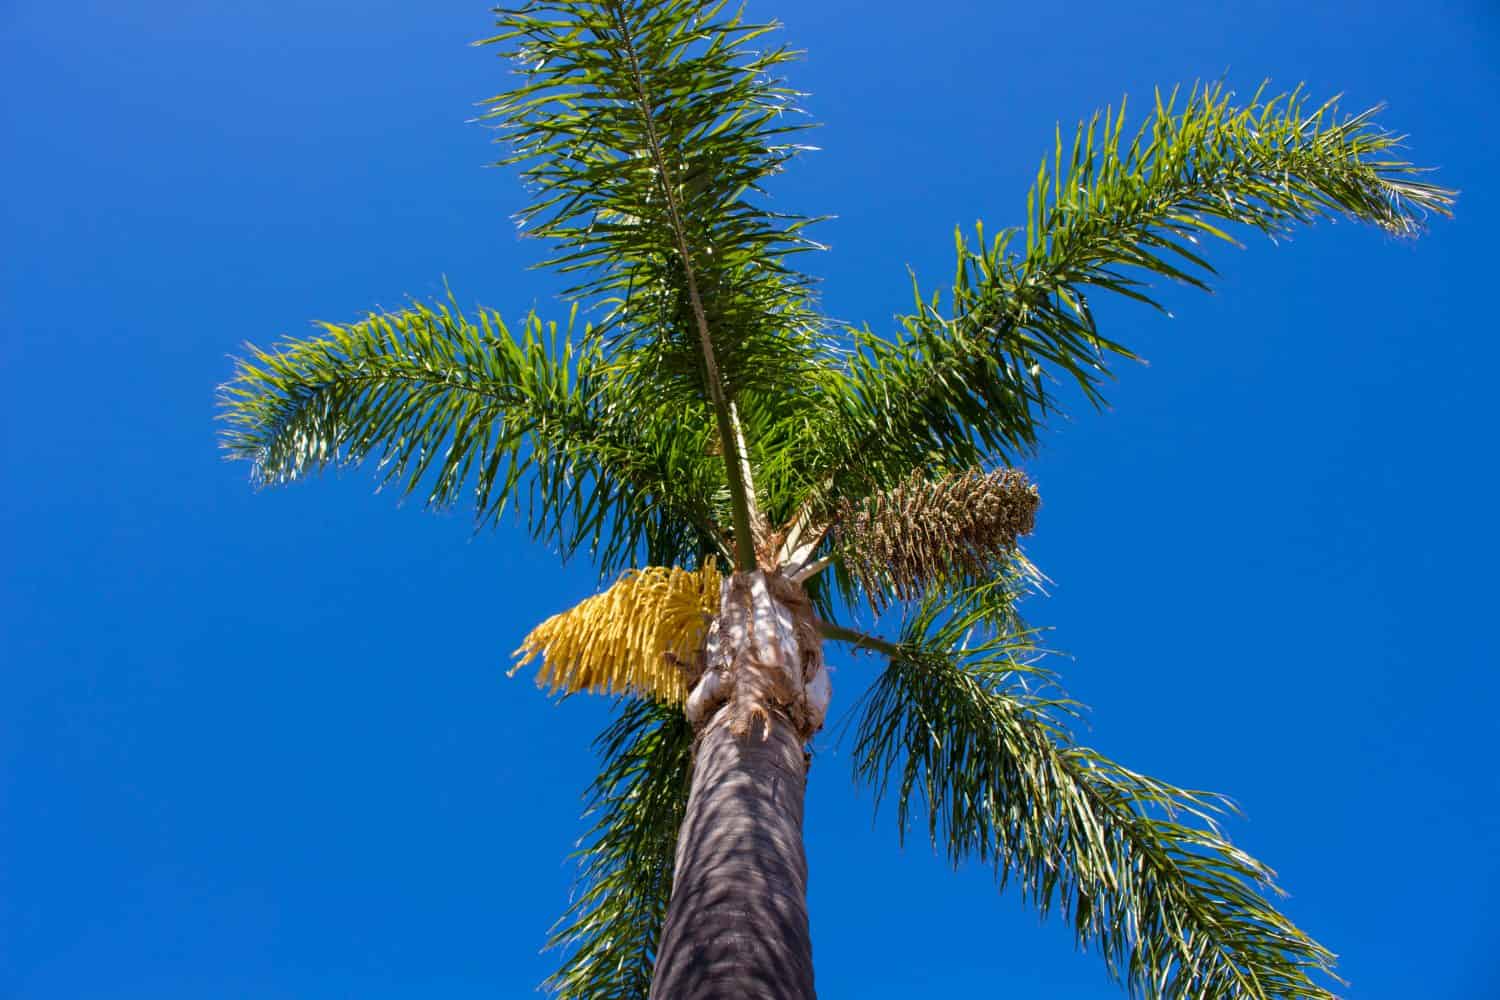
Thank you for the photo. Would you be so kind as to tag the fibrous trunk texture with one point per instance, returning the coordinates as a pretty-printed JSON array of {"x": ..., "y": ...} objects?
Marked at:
[{"x": 737, "y": 924}]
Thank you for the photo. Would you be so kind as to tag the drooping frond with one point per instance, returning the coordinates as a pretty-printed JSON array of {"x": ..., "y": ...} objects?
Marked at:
[
  {"x": 609, "y": 933},
  {"x": 638, "y": 637},
  {"x": 448, "y": 408},
  {"x": 975, "y": 378},
  {"x": 964, "y": 726},
  {"x": 959, "y": 528}
]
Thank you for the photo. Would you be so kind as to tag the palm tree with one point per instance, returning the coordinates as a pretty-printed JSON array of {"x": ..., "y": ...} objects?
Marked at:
[{"x": 747, "y": 474}]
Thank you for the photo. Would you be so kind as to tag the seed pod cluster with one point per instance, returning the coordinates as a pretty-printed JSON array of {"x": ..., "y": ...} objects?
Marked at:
[{"x": 897, "y": 544}]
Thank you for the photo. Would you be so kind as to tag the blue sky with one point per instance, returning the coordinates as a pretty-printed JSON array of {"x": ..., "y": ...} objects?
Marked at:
[{"x": 263, "y": 745}]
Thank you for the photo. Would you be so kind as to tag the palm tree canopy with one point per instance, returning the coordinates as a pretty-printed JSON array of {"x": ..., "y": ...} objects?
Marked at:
[{"x": 708, "y": 415}]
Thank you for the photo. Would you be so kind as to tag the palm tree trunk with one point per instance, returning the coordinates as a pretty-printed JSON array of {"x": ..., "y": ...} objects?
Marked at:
[{"x": 737, "y": 924}]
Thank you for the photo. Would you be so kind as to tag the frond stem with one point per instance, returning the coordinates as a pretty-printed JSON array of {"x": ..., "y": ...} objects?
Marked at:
[
  {"x": 729, "y": 435},
  {"x": 809, "y": 570},
  {"x": 839, "y": 633}
]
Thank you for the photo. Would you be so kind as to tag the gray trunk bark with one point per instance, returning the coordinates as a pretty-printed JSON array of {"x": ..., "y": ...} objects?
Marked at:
[{"x": 737, "y": 926}]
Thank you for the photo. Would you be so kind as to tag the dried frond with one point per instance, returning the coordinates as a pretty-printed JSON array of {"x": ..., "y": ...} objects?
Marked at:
[
  {"x": 630, "y": 639},
  {"x": 959, "y": 527}
]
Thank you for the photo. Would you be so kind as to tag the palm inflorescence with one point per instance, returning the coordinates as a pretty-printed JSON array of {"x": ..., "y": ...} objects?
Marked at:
[{"x": 707, "y": 418}]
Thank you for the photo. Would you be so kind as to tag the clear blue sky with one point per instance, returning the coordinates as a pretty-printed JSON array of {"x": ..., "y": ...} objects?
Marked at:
[{"x": 263, "y": 745}]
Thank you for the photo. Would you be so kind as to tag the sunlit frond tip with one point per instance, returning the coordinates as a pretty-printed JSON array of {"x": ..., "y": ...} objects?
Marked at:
[{"x": 635, "y": 638}]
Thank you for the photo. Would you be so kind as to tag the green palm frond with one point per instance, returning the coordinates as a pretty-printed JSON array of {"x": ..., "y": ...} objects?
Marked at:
[
  {"x": 1109, "y": 212},
  {"x": 609, "y": 933},
  {"x": 447, "y": 407},
  {"x": 964, "y": 726},
  {"x": 647, "y": 130}
]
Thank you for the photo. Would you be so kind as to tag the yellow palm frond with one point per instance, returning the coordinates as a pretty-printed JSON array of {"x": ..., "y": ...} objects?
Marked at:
[{"x": 626, "y": 639}]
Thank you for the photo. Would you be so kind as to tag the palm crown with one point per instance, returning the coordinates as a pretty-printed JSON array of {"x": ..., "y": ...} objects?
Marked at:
[{"x": 709, "y": 422}]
